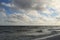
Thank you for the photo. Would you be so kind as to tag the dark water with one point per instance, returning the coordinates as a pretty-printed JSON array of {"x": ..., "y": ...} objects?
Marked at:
[
  {"x": 22, "y": 33},
  {"x": 54, "y": 38}
]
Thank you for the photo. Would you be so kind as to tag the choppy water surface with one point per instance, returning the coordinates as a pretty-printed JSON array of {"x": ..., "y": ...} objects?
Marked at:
[{"x": 24, "y": 33}]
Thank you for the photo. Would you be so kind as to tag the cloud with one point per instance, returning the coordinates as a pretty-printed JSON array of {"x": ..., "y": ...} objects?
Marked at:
[
  {"x": 2, "y": 17},
  {"x": 27, "y": 17},
  {"x": 7, "y": 4},
  {"x": 24, "y": 4},
  {"x": 30, "y": 4},
  {"x": 18, "y": 19}
]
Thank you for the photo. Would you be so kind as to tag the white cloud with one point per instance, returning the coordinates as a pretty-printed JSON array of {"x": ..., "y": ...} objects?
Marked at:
[
  {"x": 16, "y": 19},
  {"x": 23, "y": 19}
]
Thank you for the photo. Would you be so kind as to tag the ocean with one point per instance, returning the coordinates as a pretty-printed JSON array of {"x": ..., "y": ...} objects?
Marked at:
[{"x": 25, "y": 33}]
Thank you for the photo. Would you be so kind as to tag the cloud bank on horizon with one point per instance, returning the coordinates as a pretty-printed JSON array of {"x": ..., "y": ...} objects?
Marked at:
[{"x": 29, "y": 12}]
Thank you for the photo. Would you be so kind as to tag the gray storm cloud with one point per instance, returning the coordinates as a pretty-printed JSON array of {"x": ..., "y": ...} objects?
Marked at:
[
  {"x": 24, "y": 4},
  {"x": 29, "y": 4}
]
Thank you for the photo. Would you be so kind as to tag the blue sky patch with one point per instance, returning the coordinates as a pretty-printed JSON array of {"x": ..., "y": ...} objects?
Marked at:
[{"x": 6, "y": 1}]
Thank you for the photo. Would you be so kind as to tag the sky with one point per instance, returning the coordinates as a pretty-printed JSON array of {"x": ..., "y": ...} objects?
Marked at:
[{"x": 29, "y": 12}]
